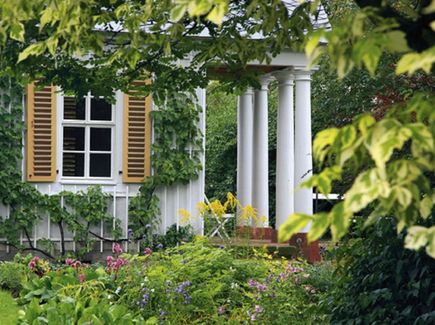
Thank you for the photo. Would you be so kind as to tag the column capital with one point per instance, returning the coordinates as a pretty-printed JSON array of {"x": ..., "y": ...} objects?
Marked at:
[
  {"x": 285, "y": 77},
  {"x": 302, "y": 75},
  {"x": 264, "y": 82},
  {"x": 248, "y": 91}
]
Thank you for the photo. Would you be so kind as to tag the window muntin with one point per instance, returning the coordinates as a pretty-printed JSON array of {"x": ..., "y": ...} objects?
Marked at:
[{"x": 88, "y": 136}]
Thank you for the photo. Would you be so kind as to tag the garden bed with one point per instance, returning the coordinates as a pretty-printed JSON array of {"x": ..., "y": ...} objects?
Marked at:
[{"x": 192, "y": 284}]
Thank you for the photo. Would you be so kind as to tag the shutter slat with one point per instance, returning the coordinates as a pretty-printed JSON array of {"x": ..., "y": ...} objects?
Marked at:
[
  {"x": 137, "y": 137},
  {"x": 41, "y": 133}
]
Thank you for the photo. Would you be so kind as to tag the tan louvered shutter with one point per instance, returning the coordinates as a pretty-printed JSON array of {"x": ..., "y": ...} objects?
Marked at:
[
  {"x": 137, "y": 137},
  {"x": 41, "y": 133}
]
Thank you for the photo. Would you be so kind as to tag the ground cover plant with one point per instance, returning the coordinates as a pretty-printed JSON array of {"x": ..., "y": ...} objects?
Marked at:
[
  {"x": 194, "y": 283},
  {"x": 8, "y": 309}
]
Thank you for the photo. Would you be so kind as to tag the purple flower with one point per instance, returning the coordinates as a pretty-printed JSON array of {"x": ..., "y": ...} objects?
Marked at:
[
  {"x": 160, "y": 246},
  {"x": 162, "y": 313},
  {"x": 258, "y": 309},
  {"x": 148, "y": 226},
  {"x": 221, "y": 310},
  {"x": 145, "y": 299},
  {"x": 252, "y": 283},
  {"x": 261, "y": 287},
  {"x": 291, "y": 269},
  {"x": 181, "y": 289}
]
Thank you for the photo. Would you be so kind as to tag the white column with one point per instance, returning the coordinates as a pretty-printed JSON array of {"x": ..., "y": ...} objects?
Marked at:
[
  {"x": 285, "y": 148},
  {"x": 260, "y": 191},
  {"x": 303, "y": 158},
  {"x": 244, "y": 147}
]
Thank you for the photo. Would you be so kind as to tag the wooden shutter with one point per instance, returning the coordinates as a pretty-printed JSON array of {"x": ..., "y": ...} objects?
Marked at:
[
  {"x": 137, "y": 137},
  {"x": 41, "y": 133}
]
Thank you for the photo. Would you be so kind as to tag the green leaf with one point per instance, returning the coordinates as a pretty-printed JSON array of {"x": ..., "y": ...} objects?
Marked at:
[
  {"x": 178, "y": 12},
  {"x": 323, "y": 181},
  {"x": 34, "y": 49},
  {"x": 411, "y": 62},
  {"x": 430, "y": 8},
  {"x": 426, "y": 205},
  {"x": 340, "y": 221},
  {"x": 403, "y": 196},
  {"x": 46, "y": 17},
  {"x": 324, "y": 139},
  {"x": 319, "y": 226},
  {"x": 365, "y": 122},
  {"x": 365, "y": 189},
  {"x": 371, "y": 59},
  {"x": 416, "y": 237},
  {"x": 198, "y": 7},
  {"x": 430, "y": 248},
  {"x": 17, "y": 32},
  {"x": 217, "y": 14},
  {"x": 152, "y": 320},
  {"x": 52, "y": 45},
  {"x": 385, "y": 137},
  {"x": 292, "y": 225},
  {"x": 313, "y": 41},
  {"x": 396, "y": 41}
]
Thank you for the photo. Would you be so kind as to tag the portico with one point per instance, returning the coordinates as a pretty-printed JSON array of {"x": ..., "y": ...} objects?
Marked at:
[{"x": 293, "y": 157}]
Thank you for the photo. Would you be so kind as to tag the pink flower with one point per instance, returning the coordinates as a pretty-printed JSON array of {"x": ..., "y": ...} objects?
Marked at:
[
  {"x": 82, "y": 277},
  {"x": 117, "y": 249},
  {"x": 76, "y": 264},
  {"x": 147, "y": 251},
  {"x": 69, "y": 261},
  {"x": 32, "y": 265},
  {"x": 221, "y": 310}
]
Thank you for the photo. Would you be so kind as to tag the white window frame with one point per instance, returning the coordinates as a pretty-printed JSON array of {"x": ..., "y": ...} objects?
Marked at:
[{"x": 87, "y": 124}]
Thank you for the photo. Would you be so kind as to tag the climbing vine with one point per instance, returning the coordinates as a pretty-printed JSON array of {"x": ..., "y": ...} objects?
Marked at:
[{"x": 175, "y": 158}]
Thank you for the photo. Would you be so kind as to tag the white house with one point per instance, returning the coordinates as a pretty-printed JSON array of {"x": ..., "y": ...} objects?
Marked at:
[{"x": 70, "y": 146}]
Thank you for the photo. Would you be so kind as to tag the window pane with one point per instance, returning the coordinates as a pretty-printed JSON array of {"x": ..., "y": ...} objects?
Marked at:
[
  {"x": 100, "y": 165},
  {"x": 74, "y": 138},
  {"x": 101, "y": 139},
  {"x": 100, "y": 110},
  {"x": 73, "y": 109},
  {"x": 73, "y": 164}
]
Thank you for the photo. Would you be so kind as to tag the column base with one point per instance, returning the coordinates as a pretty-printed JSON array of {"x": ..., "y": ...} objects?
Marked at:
[
  {"x": 255, "y": 233},
  {"x": 311, "y": 252}
]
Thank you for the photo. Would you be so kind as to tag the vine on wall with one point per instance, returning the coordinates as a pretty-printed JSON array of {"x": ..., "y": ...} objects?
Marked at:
[{"x": 175, "y": 159}]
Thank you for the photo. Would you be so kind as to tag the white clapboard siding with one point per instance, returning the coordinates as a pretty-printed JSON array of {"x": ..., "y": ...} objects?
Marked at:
[{"x": 172, "y": 198}]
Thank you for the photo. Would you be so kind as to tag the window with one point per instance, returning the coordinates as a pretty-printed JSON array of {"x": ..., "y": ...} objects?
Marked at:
[{"x": 88, "y": 133}]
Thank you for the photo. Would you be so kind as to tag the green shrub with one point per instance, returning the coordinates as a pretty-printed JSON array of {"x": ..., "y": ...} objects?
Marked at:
[
  {"x": 194, "y": 283},
  {"x": 198, "y": 283},
  {"x": 171, "y": 238},
  {"x": 12, "y": 276},
  {"x": 381, "y": 282}
]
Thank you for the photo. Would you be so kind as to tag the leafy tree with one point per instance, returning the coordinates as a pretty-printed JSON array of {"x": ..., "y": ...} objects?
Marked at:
[
  {"x": 221, "y": 143},
  {"x": 397, "y": 152},
  {"x": 58, "y": 35}
]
